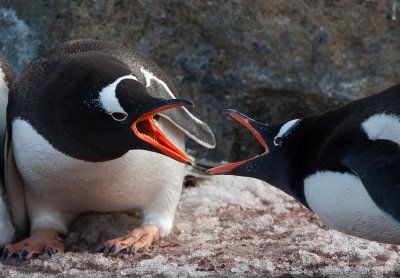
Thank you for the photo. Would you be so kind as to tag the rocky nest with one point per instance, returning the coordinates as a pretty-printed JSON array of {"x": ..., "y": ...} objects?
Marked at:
[{"x": 225, "y": 226}]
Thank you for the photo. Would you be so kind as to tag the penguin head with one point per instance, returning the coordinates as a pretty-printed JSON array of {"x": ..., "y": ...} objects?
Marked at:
[
  {"x": 101, "y": 106},
  {"x": 273, "y": 164}
]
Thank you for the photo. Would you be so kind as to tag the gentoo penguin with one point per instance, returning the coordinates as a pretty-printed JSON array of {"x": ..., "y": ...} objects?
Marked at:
[
  {"x": 82, "y": 136},
  {"x": 344, "y": 164},
  {"x": 7, "y": 77}
]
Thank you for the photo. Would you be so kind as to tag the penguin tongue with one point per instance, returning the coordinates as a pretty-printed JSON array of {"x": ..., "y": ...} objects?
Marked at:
[
  {"x": 146, "y": 129},
  {"x": 225, "y": 169}
]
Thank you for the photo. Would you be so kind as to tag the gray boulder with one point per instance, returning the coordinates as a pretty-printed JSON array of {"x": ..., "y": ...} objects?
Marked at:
[{"x": 273, "y": 60}]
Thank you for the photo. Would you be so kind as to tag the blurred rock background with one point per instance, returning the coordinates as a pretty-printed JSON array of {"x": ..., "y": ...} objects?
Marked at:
[{"x": 273, "y": 60}]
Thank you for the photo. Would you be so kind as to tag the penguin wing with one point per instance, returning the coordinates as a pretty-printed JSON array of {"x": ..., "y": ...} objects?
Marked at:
[
  {"x": 7, "y": 224},
  {"x": 377, "y": 164},
  {"x": 154, "y": 79},
  {"x": 13, "y": 190}
]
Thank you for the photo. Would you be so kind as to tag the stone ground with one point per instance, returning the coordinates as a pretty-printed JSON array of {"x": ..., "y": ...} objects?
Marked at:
[{"x": 225, "y": 226}]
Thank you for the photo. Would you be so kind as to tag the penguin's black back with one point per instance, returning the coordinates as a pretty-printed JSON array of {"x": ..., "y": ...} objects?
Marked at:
[{"x": 323, "y": 142}]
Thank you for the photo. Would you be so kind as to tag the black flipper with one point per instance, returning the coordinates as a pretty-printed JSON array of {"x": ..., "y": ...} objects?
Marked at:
[{"x": 377, "y": 164}]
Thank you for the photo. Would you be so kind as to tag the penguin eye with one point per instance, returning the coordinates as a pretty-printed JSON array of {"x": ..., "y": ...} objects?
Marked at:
[
  {"x": 119, "y": 116},
  {"x": 278, "y": 141}
]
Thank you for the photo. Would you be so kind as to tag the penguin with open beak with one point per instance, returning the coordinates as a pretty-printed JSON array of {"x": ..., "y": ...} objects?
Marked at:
[
  {"x": 344, "y": 164},
  {"x": 93, "y": 126}
]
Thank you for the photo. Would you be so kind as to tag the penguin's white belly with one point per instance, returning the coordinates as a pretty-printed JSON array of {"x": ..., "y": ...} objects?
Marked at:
[
  {"x": 343, "y": 203},
  {"x": 139, "y": 179}
]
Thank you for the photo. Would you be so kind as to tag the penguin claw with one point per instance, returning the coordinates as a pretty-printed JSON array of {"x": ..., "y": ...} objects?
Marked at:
[
  {"x": 101, "y": 249},
  {"x": 24, "y": 255},
  {"x": 112, "y": 249},
  {"x": 50, "y": 251},
  {"x": 131, "y": 250}
]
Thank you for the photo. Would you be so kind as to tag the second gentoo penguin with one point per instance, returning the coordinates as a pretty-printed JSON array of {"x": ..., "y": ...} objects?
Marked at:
[
  {"x": 7, "y": 77},
  {"x": 343, "y": 164},
  {"x": 82, "y": 136}
]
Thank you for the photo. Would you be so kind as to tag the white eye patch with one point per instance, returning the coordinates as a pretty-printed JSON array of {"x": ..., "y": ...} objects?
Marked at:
[
  {"x": 284, "y": 131},
  {"x": 108, "y": 99}
]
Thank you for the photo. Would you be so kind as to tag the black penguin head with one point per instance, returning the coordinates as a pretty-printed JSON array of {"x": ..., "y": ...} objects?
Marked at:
[
  {"x": 272, "y": 165},
  {"x": 105, "y": 111}
]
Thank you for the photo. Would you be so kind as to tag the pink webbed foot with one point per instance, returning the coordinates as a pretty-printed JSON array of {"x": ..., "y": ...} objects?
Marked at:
[
  {"x": 40, "y": 241},
  {"x": 140, "y": 238}
]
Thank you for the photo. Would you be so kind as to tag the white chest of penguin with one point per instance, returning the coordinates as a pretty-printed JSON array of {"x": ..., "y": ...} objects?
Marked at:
[
  {"x": 136, "y": 180},
  {"x": 342, "y": 202}
]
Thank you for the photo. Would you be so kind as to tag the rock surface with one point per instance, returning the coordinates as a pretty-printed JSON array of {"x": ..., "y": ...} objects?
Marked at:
[
  {"x": 273, "y": 60},
  {"x": 225, "y": 227}
]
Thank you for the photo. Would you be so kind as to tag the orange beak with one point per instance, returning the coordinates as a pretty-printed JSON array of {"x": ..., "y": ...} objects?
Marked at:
[
  {"x": 146, "y": 129},
  {"x": 223, "y": 169}
]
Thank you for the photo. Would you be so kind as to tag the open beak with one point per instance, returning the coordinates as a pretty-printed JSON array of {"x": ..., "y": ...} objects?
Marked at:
[
  {"x": 146, "y": 129},
  {"x": 254, "y": 128}
]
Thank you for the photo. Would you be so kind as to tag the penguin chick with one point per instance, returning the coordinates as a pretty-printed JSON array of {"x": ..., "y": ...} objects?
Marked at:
[
  {"x": 344, "y": 164},
  {"x": 81, "y": 137}
]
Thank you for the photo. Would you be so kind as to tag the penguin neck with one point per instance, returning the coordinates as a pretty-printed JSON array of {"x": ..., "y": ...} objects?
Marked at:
[
  {"x": 276, "y": 172},
  {"x": 280, "y": 170}
]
